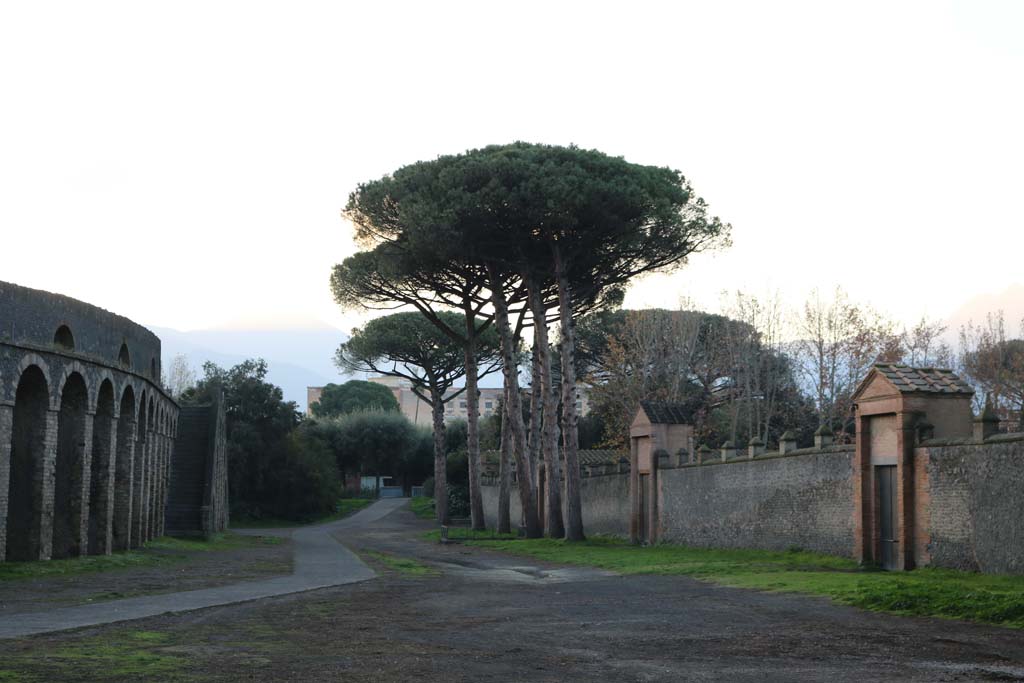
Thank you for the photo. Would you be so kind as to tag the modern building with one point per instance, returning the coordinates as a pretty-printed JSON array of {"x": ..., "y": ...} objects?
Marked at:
[{"x": 418, "y": 410}]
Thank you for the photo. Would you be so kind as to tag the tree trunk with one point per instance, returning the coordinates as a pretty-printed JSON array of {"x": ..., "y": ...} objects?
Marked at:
[
  {"x": 505, "y": 472},
  {"x": 570, "y": 420},
  {"x": 476, "y": 503},
  {"x": 549, "y": 440},
  {"x": 509, "y": 368},
  {"x": 536, "y": 406},
  {"x": 440, "y": 460}
]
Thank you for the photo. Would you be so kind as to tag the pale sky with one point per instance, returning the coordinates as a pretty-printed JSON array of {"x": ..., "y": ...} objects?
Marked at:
[{"x": 184, "y": 163}]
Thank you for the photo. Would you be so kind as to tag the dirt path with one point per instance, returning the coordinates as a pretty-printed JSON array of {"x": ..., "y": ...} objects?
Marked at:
[
  {"x": 487, "y": 617},
  {"x": 320, "y": 562}
]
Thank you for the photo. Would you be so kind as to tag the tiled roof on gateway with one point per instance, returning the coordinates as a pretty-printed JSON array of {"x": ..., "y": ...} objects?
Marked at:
[
  {"x": 664, "y": 413},
  {"x": 929, "y": 380}
]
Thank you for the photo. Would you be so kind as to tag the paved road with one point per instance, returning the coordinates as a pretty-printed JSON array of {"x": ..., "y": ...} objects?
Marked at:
[{"x": 320, "y": 561}]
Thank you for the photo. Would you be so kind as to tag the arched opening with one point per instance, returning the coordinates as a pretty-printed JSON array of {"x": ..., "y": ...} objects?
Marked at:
[
  {"x": 124, "y": 358},
  {"x": 123, "y": 475},
  {"x": 64, "y": 339},
  {"x": 28, "y": 439},
  {"x": 101, "y": 495},
  {"x": 138, "y": 470},
  {"x": 67, "y": 492}
]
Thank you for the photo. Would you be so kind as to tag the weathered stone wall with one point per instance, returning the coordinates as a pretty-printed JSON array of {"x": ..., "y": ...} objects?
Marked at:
[
  {"x": 197, "y": 502},
  {"x": 605, "y": 504},
  {"x": 804, "y": 499},
  {"x": 975, "y": 514},
  {"x": 969, "y": 511},
  {"x": 83, "y": 419},
  {"x": 31, "y": 317}
]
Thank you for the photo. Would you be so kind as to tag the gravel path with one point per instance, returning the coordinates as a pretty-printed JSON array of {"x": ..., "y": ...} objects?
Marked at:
[{"x": 320, "y": 562}]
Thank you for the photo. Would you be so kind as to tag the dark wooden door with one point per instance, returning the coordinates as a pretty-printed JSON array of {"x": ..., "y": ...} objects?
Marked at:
[
  {"x": 887, "y": 521},
  {"x": 644, "y": 479}
]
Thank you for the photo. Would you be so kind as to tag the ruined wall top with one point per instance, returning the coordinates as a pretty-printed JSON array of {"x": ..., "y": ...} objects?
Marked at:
[{"x": 35, "y": 318}]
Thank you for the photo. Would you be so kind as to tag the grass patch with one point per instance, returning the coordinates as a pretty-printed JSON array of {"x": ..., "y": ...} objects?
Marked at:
[
  {"x": 223, "y": 541},
  {"x": 402, "y": 565},
  {"x": 125, "y": 656},
  {"x": 164, "y": 550},
  {"x": 423, "y": 507},
  {"x": 129, "y": 559},
  {"x": 345, "y": 507},
  {"x": 992, "y": 599},
  {"x": 462, "y": 533}
]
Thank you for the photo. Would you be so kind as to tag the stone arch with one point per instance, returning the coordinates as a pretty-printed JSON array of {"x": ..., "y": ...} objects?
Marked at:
[
  {"x": 33, "y": 359},
  {"x": 124, "y": 358},
  {"x": 102, "y": 470},
  {"x": 71, "y": 367},
  {"x": 28, "y": 455},
  {"x": 63, "y": 338},
  {"x": 71, "y": 468},
  {"x": 123, "y": 470}
]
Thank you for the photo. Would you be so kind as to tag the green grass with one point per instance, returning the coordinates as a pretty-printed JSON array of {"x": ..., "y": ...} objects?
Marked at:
[
  {"x": 168, "y": 550},
  {"x": 403, "y": 565},
  {"x": 993, "y": 599},
  {"x": 423, "y": 507},
  {"x": 346, "y": 507},
  {"x": 461, "y": 533},
  {"x": 129, "y": 657}
]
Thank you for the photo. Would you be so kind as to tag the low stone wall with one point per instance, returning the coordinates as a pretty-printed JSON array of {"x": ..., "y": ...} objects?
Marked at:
[
  {"x": 605, "y": 501},
  {"x": 800, "y": 500},
  {"x": 974, "y": 518}
]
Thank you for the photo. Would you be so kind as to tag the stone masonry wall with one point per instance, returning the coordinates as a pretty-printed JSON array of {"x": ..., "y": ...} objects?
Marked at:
[
  {"x": 969, "y": 509},
  {"x": 774, "y": 503},
  {"x": 605, "y": 504},
  {"x": 975, "y": 518}
]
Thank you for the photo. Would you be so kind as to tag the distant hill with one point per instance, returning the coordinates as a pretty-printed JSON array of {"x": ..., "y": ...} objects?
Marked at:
[{"x": 296, "y": 357}]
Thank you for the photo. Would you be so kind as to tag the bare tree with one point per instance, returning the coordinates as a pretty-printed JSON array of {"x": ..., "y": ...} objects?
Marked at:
[
  {"x": 838, "y": 341},
  {"x": 994, "y": 362},
  {"x": 180, "y": 376}
]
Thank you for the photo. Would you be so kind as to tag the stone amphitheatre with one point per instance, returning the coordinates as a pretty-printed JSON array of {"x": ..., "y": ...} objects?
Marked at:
[{"x": 87, "y": 435}]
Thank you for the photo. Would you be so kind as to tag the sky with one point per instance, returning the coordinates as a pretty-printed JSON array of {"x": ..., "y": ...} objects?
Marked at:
[{"x": 185, "y": 164}]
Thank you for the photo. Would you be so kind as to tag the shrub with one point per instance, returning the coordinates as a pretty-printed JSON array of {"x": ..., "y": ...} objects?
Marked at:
[
  {"x": 428, "y": 487},
  {"x": 305, "y": 482},
  {"x": 458, "y": 500}
]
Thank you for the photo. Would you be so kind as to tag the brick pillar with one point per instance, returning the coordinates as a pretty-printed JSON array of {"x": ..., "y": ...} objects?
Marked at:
[
  {"x": 651, "y": 496},
  {"x": 634, "y": 492},
  {"x": 147, "y": 481},
  {"x": 906, "y": 429},
  {"x": 105, "y": 536},
  {"x": 863, "y": 493},
  {"x": 138, "y": 477},
  {"x": 164, "y": 469},
  {"x": 124, "y": 466},
  {"x": 6, "y": 429},
  {"x": 85, "y": 472},
  {"x": 42, "y": 502}
]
